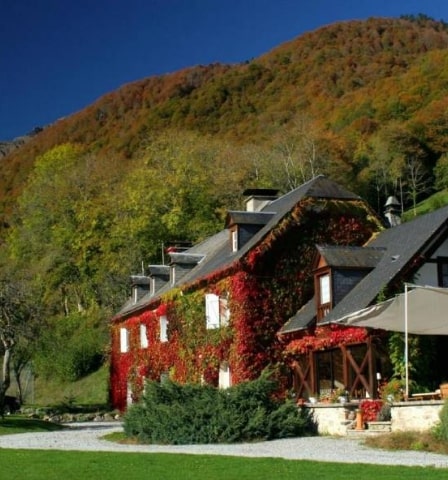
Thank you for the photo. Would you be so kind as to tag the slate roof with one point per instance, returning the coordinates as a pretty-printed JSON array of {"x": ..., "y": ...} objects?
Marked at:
[
  {"x": 350, "y": 257},
  {"x": 217, "y": 250},
  {"x": 400, "y": 245}
]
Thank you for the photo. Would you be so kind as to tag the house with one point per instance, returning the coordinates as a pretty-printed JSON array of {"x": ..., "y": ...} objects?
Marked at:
[
  {"x": 213, "y": 313},
  {"x": 325, "y": 356}
]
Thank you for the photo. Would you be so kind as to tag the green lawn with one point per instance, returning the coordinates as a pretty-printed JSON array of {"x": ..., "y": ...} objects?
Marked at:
[
  {"x": 18, "y": 424},
  {"x": 49, "y": 465}
]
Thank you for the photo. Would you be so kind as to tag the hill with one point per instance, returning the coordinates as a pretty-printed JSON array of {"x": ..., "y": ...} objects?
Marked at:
[
  {"x": 359, "y": 86},
  {"x": 100, "y": 194}
]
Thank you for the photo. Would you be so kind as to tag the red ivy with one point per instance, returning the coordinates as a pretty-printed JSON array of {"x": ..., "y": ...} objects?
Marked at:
[{"x": 326, "y": 337}]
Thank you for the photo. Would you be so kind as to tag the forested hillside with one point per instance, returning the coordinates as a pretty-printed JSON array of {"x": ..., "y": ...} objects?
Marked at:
[{"x": 96, "y": 196}]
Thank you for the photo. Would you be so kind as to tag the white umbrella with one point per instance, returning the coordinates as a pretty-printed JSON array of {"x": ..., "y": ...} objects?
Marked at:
[{"x": 421, "y": 310}]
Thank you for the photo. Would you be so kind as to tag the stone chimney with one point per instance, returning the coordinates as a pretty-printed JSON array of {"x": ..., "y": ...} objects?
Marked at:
[{"x": 258, "y": 198}]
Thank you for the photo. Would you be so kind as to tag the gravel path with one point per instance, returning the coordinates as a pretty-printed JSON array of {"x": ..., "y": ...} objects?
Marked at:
[{"x": 87, "y": 437}]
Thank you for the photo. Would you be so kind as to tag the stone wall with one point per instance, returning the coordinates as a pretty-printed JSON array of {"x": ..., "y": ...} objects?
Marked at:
[
  {"x": 340, "y": 419},
  {"x": 417, "y": 416}
]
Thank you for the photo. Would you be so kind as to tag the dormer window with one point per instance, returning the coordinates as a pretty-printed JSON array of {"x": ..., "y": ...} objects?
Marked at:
[
  {"x": 172, "y": 274},
  {"x": 234, "y": 234},
  {"x": 323, "y": 295},
  {"x": 324, "y": 287}
]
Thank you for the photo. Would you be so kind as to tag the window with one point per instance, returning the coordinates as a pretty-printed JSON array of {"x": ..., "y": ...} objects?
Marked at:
[
  {"x": 143, "y": 336},
  {"x": 224, "y": 375},
  {"x": 212, "y": 310},
  {"x": 217, "y": 312},
  {"x": 324, "y": 287},
  {"x": 135, "y": 294},
  {"x": 163, "y": 328},
  {"x": 234, "y": 240},
  {"x": 224, "y": 312},
  {"x": 124, "y": 340}
]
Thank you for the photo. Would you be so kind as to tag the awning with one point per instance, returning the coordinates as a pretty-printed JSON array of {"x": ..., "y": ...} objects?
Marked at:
[
  {"x": 420, "y": 310},
  {"x": 427, "y": 313}
]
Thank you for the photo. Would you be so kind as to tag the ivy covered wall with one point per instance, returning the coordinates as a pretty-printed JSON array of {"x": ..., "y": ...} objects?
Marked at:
[{"x": 262, "y": 290}]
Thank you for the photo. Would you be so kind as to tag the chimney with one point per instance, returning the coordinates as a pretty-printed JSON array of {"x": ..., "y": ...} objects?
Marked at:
[
  {"x": 392, "y": 211},
  {"x": 258, "y": 198}
]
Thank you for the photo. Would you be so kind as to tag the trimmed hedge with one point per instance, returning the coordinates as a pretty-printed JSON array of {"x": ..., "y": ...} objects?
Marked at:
[{"x": 170, "y": 413}]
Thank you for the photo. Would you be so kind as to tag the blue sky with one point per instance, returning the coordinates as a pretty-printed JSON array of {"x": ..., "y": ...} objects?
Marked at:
[{"x": 58, "y": 56}]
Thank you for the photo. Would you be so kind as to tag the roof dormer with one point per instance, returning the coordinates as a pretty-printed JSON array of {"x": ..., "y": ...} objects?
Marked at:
[
  {"x": 159, "y": 276},
  {"x": 337, "y": 270},
  {"x": 181, "y": 264},
  {"x": 244, "y": 225},
  {"x": 139, "y": 287}
]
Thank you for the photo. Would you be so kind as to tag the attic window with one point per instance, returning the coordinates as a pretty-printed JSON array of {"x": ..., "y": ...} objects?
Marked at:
[
  {"x": 323, "y": 295},
  {"x": 234, "y": 236},
  {"x": 324, "y": 288}
]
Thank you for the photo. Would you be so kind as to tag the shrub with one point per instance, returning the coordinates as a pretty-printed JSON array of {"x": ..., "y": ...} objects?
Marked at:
[
  {"x": 441, "y": 429},
  {"x": 170, "y": 413}
]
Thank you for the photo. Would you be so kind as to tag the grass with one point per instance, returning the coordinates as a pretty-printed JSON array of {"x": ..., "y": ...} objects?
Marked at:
[
  {"x": 89, "y": 390},
  {"x": 17, "y": 424},
  {"x": 49, "y": 465},
  {"x": 417, "y": 441}
]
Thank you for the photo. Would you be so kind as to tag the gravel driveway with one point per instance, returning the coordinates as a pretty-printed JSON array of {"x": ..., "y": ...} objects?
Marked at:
[{"x": 87, "y": 436}]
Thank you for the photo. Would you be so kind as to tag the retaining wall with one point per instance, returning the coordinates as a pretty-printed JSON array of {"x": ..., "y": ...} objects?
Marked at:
[{"x": 340, "y": 419}]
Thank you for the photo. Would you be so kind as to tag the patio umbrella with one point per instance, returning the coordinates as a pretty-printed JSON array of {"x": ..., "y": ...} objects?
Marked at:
[{"x": 420, "y": 310}]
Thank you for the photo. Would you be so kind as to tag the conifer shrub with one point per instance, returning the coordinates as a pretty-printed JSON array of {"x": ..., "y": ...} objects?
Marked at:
[{"x": 170, "y": 413}]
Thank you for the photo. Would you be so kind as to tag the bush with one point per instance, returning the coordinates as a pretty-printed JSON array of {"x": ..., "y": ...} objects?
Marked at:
[
  {"x": 170, "y": 413},
  {"x": 441, "y": 429}
]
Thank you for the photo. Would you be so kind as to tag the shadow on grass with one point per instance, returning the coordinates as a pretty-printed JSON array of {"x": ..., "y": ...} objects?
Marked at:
[{"x": 17, "y": 424}]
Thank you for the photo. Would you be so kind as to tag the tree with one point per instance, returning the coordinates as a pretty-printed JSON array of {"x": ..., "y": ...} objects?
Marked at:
[
  {"x": 416, "y": 180},
  {"x": 17, "y": 314},
  {"x": 298, "y": 153}
]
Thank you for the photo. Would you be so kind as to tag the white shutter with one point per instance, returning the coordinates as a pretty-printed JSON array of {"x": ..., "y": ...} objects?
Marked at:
[
  {"x": 124, "y": 340},
  {"x": 163, "y": 328},
  {"x": 212, "y": 310},
  {"x": 143, "y": 336}
]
